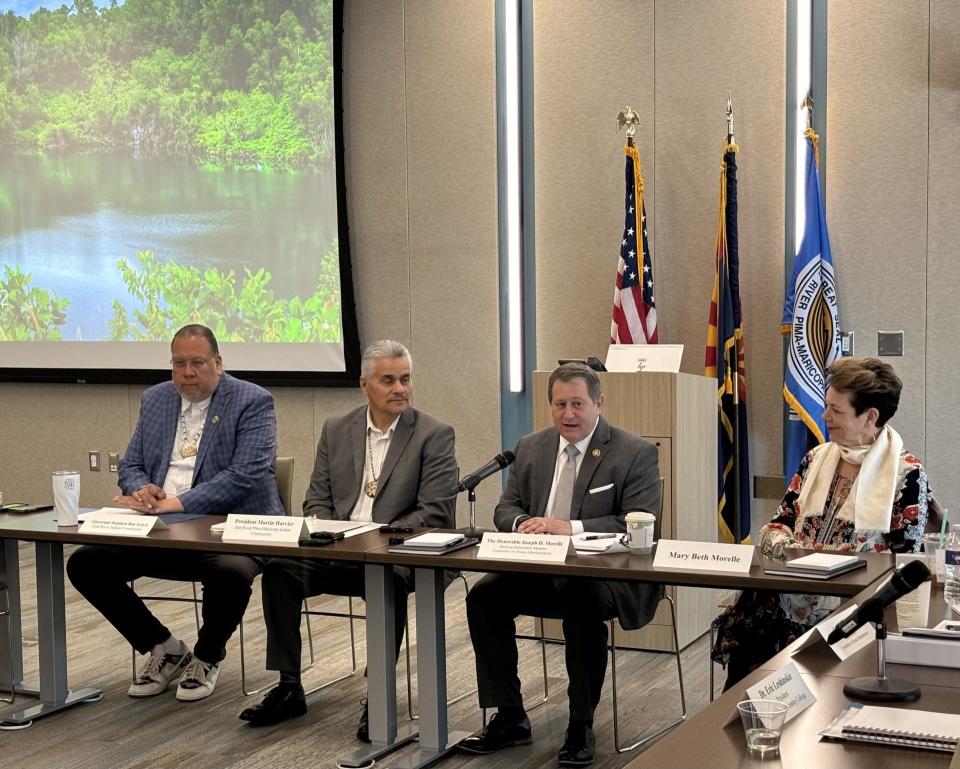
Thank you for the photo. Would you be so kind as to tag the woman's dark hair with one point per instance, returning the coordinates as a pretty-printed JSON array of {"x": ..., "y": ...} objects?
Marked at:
[{"x": 870, "y": 383}]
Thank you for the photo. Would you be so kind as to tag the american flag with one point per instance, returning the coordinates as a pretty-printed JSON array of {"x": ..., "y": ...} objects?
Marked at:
[{"x": 634, "y": 312}]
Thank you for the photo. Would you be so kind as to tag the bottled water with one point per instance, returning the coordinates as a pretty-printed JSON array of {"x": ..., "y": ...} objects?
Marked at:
[{"x": 951, "y": 565}]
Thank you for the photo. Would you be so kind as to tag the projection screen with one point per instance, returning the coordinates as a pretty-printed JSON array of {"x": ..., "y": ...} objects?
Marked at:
[{"x": 167, "y": 162}]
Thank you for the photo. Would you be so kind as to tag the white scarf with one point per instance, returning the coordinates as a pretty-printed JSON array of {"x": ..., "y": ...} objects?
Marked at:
[{"x": 870, "y": 501}]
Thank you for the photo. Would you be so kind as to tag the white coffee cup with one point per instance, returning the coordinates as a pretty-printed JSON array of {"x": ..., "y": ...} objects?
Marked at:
[
  {"x": 66, "y": 496},
  {"x": 640, "y": 532}
]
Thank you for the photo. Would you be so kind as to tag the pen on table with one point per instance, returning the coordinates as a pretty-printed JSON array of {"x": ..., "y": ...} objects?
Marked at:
[{"x": 599, "y": 536}]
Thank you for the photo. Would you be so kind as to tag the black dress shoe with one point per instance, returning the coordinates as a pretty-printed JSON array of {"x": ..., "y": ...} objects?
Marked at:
[
  {"x": 363, "y": 728},
  {"x": 578, "y": 745},
  {"x": 282, "y": 702},
  {"x": 499, "y": 733}
]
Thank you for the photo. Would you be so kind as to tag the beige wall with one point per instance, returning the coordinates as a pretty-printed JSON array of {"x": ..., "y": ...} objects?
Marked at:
[
  {"x": 421, "y": 179},
  {"x": 674, "y": 63}
]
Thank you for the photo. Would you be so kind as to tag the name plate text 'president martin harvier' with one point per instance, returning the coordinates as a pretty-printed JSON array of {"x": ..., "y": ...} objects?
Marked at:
[{"x": 704, "y": 556}]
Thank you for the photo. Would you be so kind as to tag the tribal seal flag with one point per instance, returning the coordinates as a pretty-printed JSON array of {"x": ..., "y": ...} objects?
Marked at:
[{"x": 810, "y": 323}]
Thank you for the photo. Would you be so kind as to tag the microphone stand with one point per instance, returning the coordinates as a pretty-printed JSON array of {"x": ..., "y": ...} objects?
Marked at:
[
  {"x": 472, "y": 530},
  {"x": 881, "y": 688}
]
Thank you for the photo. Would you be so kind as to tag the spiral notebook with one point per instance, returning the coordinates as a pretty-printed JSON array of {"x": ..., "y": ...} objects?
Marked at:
[{"x": 896, "y": 726}]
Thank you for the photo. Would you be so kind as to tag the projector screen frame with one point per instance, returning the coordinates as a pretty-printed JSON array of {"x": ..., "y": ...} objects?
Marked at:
[{"x": 274, "y": 378}]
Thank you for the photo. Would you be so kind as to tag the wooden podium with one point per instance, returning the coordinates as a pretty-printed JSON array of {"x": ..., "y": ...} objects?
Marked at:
[{"x": 678, "y": 413}]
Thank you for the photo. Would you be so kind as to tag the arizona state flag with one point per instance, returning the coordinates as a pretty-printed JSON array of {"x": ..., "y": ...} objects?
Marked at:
[
  {"x": 725, "y": 360},
  {"x": 810, "y": 323}
]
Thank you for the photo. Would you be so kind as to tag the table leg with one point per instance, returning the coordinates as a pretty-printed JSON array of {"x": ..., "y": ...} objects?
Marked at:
[
  {"x": 11, "y": 635},
  {"x": 52, "y": 631},
  {"x": 435, "y": 742},
  {"x": 381, "y": 671}
]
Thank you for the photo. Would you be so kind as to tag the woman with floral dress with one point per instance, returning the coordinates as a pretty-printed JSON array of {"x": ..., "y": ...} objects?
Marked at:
[{"x": 861, "y": 491}]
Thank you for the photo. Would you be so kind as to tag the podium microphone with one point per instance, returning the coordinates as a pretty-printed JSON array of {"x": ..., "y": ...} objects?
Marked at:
[
  {"x": 495, "y": 465},
  {"x": 903, "y": 581}
]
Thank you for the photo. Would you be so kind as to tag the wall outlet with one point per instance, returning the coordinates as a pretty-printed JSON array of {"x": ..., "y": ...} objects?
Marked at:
[
  {"x": 114, "y": 459},
  {"x": 93, "y": 459},
  {"x": 846, "y": 343}
]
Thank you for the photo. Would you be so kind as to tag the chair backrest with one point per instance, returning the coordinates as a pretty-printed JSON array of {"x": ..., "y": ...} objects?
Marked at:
[{"x": 285, "y": 483}]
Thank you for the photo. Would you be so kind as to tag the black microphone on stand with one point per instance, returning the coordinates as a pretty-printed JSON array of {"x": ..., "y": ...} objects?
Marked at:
[
  {"x": 495, "y": 465},
  {"x": 469, "y": 484},
  {"x": 903, "y": 581},
  {"x": 879, "y": 688}
]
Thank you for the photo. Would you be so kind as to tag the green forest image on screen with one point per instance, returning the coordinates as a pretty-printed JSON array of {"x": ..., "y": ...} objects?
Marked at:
[{"x": 167, "y": 162}]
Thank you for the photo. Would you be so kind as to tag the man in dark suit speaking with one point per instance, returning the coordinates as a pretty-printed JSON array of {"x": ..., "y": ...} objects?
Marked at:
[
  {"x": 205, "y": 443},
  {"x": 384, "y": 462},
  {"x": 580, "y": 475}
]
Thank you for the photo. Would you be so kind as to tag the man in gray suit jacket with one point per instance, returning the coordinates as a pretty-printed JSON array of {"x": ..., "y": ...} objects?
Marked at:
[
  {"x": 384, "y": 462},
  {"x": 580, "y": 475}
]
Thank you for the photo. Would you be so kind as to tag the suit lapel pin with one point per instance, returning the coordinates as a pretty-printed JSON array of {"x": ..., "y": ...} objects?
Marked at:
[
  {"x": 595, "y": 452},
  {"x": 216, "y": 418}
]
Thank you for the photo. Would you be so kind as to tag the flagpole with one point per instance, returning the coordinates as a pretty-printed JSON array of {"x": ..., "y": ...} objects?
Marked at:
[{"x": 735, "y": 368}]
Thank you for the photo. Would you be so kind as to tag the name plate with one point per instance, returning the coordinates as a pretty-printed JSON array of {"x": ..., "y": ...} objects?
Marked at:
[
  {"x": 122, "y": 524},
  {"x": 539, "y": 548},
  {"x": 704, "y": 556},
  {"x": 278, "y": 529},
  {"x": 786, "y": 686},
  {"x": 844, "y": 647}
]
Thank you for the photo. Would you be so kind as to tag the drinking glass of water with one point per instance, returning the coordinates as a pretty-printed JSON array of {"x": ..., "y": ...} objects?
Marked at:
[{"x": 763, "y": 723}]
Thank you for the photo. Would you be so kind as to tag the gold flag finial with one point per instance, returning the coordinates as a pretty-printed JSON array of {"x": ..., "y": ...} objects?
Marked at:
[
  {"x": 807, "y": 104},
  {"x": 627, "y": 117}
]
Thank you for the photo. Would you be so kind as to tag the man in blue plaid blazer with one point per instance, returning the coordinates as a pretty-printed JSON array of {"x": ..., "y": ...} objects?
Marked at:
[{"x": 205, "y": 444}]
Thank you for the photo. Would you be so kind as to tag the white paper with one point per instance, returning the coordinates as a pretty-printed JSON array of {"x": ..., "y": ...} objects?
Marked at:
[
  {"x": 914, "y": 607},
  {"x": 122, "y": 524},
  {"x": 786, "y": 686},
  {"x": 313, "y": 524},
  {"x": 538, "y": 548},
  {"x": 336, "y": 526},
  {"x": 275, "y": 529},
  {"x": 844, "y": 648},
  {"x": 704, "y": 556},
  {"x": 119, "y": 510},
  {"x": 433, "y": 539},
  {"x": 824, "y": 561},
  {"x": 602, "y": 544}
]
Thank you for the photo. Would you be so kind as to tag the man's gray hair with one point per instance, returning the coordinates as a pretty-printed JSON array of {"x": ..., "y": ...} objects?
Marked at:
[
  {"x": 570, "y": 371},
  {"x": 382, "y": 348}
]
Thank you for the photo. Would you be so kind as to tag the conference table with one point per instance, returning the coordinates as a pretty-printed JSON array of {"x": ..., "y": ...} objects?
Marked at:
[
  {"x": 372, "y": 550},
  {"x": 435, "y": 741},
  {"x": 709, "y": 740},
  {"x": 53, "y": 693}
]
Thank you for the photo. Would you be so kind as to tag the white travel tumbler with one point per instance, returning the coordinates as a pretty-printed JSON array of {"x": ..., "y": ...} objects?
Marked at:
[{"x": 66, "y": 496}]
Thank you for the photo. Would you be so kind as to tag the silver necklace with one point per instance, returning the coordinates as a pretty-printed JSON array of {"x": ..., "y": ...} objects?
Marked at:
[
  {"x": 188, "y": 446},
  {"x": 370, "y": 489}
]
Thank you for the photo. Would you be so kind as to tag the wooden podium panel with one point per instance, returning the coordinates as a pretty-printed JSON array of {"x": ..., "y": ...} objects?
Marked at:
[{"x": 678, "y": 413}]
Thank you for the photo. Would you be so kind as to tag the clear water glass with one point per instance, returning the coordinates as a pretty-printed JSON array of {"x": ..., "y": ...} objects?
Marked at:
[{"x": 763, "y": 722}]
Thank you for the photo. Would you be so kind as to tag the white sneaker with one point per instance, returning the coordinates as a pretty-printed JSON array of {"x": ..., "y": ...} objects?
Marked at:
[
  {"x": 158, "y": 672},
  {"x": 197, "y": 681}
]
